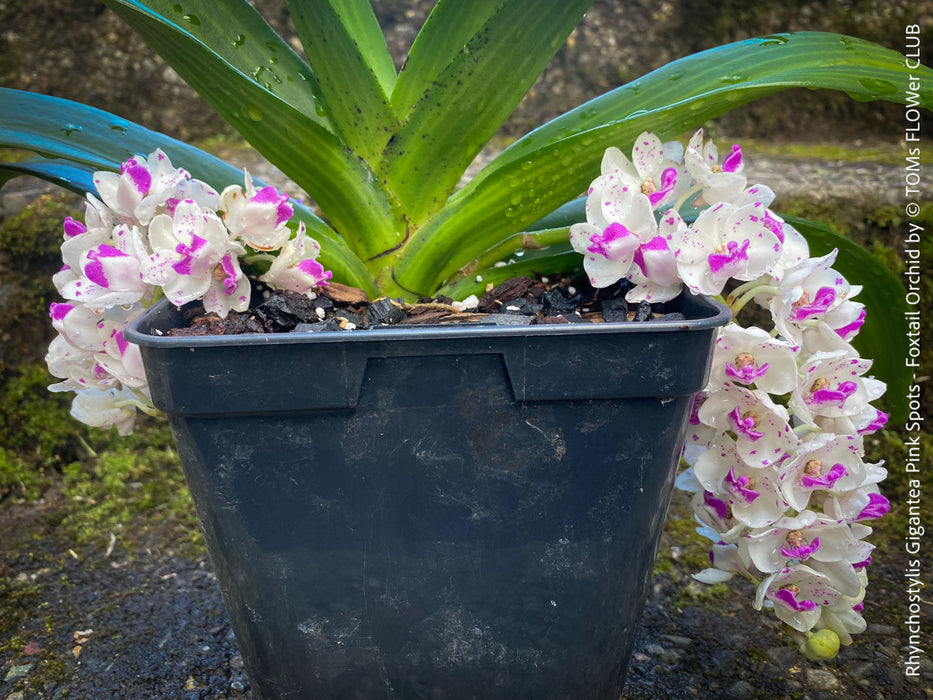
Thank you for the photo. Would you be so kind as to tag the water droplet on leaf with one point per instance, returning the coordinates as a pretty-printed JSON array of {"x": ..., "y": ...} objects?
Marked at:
[
  {"x": 878, "y": 87},
  {"x": 773, "y": 40},
  {"x": 254, "y": 113},
  {"x": 238, "y": 40},
  {"x": 192, "y": 19}
]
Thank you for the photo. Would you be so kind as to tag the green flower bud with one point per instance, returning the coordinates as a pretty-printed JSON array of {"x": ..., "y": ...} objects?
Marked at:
[{"x": 822, "y": 645}]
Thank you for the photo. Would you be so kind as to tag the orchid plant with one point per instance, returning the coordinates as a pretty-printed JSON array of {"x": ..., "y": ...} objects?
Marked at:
[{"x": 776, "y": 449}]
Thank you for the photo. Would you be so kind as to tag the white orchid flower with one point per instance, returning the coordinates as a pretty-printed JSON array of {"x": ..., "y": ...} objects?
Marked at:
[
  {"x": 257, "y": 217},
  {"x": 295, "y": 267}
]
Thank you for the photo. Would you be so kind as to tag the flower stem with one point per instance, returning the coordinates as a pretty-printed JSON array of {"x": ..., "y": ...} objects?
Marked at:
[
  {"x": 742, "y": 288},
  {"x": 738, "y": 304},
  {"x": 141, "y": 402},
  {"x": 686, "y": 196},
  {"x": 259, "y": 257}
]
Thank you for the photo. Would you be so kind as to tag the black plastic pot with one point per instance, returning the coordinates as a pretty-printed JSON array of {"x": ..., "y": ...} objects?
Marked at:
[{"x": 443, "y": 512}]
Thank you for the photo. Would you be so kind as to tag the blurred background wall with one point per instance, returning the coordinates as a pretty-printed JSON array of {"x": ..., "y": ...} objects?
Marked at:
[{"x": 78, "y": 49}]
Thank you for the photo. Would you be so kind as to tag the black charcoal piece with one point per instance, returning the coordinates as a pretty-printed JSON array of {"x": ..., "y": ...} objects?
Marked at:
[
  {"x": 386, "y": 311},
  {"x": 520, "y": 306},
  {"x": 557, "y": 302},
  {"x": 615, "y": 310},
  {"x": 276, "y": 315},
  {"x": 331, "y": 324},
  {"x": 350, "y": 317},
  {"x": 643, "y": 312}
]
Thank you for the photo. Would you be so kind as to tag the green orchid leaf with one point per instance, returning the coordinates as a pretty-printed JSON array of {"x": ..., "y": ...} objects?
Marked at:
[
  {"x": 460, "y": 109},
  {"x": 314, "y": 158},
  {"x": 61, "y": 129},
  {"x": 235, "y": 31},
  {"x": 555, "y": 164},
  {"x": 564, "y": 216},
  {"x": 346, "y": 46},
  {"x": 505, "y": 202},
  {"x": 450, "y": 26},
  {"x": 537, "y": 244},
  {"x": 75, "y": 178},
  {"x": 356, "y": 35},
  {"x": 556, "y": 260},
  {"x": 737, "y": 73},
  {"x": 884, "y": 335}
]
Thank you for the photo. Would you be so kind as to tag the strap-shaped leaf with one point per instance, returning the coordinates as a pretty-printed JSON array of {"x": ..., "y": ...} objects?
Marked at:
[
  {"x": 449, "y": 27},
  {"x": 883, "y": 295},
  {"x": 464, "y": 106},
  {"x": 234, "y": 30},
  {"x": 346, "y": 46},
  {"x": 738, "y": 73},
  {"x": 545, "y": 238},
  {"x": 75, "y": 178},
  {"x": 558, "y": 259},
  {"x": 70, "y": 131},
  {"x": 304, "y": 150},
  {"x": 554, "y": 165}
]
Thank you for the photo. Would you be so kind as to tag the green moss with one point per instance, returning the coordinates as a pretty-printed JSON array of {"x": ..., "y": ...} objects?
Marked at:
[
  {"x": 51, "y": 670},
  {"x": 35, "y": 233},
  {"x": 128, "y": 489},
  {"x": 19, "y": 605},
  {"x": 692, "y": 549},
  {"x": 222, "y": 143},
  {"x": 35, "y": 421},
  {"x": 30, "y": 250},
  {"x": 701, "y": 594},
  {"x": 20, "y": 479}
]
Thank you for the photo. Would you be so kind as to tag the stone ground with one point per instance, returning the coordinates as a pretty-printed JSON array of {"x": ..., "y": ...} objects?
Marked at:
[
  {"x": 137, "y": 622},
  {"x": 128, "y": 618}
]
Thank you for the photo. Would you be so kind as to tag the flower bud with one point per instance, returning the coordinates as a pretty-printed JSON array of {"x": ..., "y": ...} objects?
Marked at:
[{"x": 822, "y": 645}]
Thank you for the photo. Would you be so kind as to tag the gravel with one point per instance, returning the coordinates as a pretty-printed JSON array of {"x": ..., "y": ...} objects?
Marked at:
[{"x": 139, "y": 623}]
